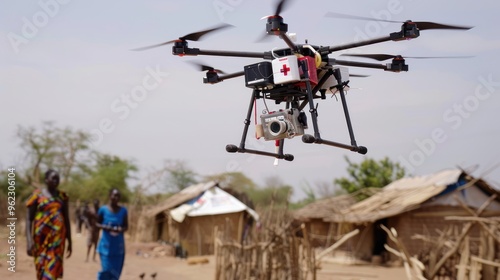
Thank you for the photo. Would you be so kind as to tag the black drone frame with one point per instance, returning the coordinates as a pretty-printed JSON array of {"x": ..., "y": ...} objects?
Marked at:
[
  {"x": 306, "y": 138},
  {"x": 307, "y": 96},
  {"x": 299, "y": 97}
]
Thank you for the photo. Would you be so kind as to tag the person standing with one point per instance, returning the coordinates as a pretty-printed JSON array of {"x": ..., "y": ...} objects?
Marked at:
[
  {"x": 112, "y": 219},
  {"x": 48, "y": 228},
  {"x": 77, "y": 218},
  {"x": 92, "y": 229}
]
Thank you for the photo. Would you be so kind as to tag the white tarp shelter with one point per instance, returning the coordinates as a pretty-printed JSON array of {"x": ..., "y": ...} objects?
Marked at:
[{"x": 213, "y": 201}]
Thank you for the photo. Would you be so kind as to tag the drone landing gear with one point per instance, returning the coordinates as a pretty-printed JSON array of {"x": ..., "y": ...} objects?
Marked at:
[
  {"x": 241, "y": 149},
  {"x": 233, "y": 149},
  {"x": 307, "y": 138}
]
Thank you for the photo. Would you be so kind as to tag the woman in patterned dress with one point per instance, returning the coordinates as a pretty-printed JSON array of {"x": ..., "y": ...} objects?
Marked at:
[
  {"x": 48, "y": 228},
  {"x": 113, "y": 220}
]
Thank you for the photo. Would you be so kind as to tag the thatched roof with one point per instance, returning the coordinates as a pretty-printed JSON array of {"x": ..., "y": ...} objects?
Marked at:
[
  {"x": 181, "y": 197},
  {"x": 404, "y": 195},
  {"x": 324, "y": 208}
]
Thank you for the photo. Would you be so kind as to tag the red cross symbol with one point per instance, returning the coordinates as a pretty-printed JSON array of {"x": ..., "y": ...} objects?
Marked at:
[{"x": 285, "y": 69}]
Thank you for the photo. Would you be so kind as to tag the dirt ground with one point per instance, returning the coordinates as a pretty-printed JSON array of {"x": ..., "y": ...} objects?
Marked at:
[{"x": 165, "y": 267}]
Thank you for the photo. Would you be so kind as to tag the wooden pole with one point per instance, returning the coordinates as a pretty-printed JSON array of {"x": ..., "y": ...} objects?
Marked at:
[
  {"x": 464, "y": 259},
  {"x": 216, "y": 253},
  {"x": 198, "y": 239},
  {"x": 336, "y": 245},
  {"x": 465, "y": 231}
]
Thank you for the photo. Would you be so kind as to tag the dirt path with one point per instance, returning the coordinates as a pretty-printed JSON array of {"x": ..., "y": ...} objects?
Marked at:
[
  {"x": 76, "y": 268},
  {"x": 166, "y": 267}
]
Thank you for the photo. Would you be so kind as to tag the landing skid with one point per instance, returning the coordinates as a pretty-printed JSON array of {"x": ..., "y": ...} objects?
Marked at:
[
  {"x": 233, "y": 149},
  {"x": 307, "y": 138}
]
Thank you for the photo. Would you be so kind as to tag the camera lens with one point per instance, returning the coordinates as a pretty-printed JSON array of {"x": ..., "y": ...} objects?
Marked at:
[{"x": 277, "y": 127}]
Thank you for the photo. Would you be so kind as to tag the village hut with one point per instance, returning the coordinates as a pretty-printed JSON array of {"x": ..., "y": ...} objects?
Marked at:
[
  {"x": 322, "y": 233},
  {"x": 189, "y": 218},
  {"x": 415, "y": 206}
]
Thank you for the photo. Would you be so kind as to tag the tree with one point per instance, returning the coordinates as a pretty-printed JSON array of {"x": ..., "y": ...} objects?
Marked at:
[
  {"x": 310, "y": 197},
  {"x": 275, "y": 192},
  {"x": 370, "y": 174},
  {"x": 96, "y": 180},
  {"x": 233, "y": 180},
  {"x": 180, "y": 176},
  {"x": 52, "y": 147},
  {"x": 85, "y": 174}
]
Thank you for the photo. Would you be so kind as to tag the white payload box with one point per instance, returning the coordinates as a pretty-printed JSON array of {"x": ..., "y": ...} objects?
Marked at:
[
  {"x": 286, "y": 70},
  {"x": 331, "y": 83}
]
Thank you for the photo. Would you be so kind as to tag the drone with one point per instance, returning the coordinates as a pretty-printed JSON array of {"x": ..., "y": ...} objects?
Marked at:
[{"x": 296, "y": 76}]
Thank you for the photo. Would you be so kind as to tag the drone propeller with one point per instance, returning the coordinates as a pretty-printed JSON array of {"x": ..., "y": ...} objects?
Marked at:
[
  {"x": 382, "y": 57},
  {"x": 422, "y": 25},
  {"x": 279, "y": 8},
  {"x": 195, "y": 36},
  {"x": 209, "y": 68},
  {"x": 203, "y": 67},
  {"x": 358, "y": 75}
]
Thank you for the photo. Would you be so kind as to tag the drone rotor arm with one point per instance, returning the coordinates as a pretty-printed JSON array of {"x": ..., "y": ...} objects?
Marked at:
[
  {"x": 232, "y": 75},
  {"x": 379, "y": 57},
  {"x": 332, "y": 49},
  {"x": 289, "y": 42},
  {"x": 382, "y": 57},
  {"x": 214, "y": 78},
  {"x": 358, "y": 64},
  {"x": 261, "y": 55}
]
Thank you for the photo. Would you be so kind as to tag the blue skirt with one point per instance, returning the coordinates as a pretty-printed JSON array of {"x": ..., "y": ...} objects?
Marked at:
[{"x": 111, "y": 267}]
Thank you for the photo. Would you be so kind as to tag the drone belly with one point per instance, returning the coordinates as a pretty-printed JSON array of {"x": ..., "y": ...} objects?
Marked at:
[
  {"x": 286, "y": 70},
  {"x": 331, "y": 83}
]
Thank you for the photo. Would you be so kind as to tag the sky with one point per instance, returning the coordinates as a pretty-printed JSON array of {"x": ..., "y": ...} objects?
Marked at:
[{"x": 70, "y": 62}]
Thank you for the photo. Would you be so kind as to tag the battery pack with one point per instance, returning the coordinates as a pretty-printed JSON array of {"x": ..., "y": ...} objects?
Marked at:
[{"x": 259, "y": 75}]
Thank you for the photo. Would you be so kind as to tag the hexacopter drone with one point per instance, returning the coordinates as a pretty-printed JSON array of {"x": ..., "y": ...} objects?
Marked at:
[{"x": 296, "y": 76}]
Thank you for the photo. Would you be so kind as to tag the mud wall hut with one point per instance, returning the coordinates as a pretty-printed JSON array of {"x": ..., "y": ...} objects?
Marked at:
[
  {"x": 190, "y": 217},
  {"x": 415, "y": 206},
  {"x": 323, "y": 233}
]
